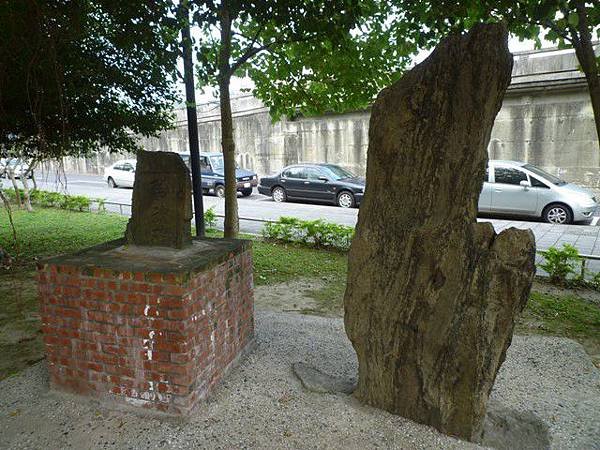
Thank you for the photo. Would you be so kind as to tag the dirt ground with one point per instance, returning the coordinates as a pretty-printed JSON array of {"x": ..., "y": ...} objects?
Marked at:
[{"x": 547, "y": 393}]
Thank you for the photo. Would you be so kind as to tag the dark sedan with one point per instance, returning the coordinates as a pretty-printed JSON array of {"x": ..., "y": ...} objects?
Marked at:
[
  {"x": 212, "y": 169},
  {"x": 325, "y": 183}
]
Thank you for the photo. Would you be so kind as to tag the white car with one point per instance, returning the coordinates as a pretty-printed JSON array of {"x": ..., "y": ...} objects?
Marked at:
[
  {"x": 121, "y": 173},
  {"x": 522, "y": 189}
]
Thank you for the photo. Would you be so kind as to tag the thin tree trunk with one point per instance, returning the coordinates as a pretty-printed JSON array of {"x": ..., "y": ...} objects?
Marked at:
[
  {"x": 6, "y": 204},
  {"x": 13, "y": 180},
  {"x": 582, "y": 42},
  {"x": 34, "y": 181},
  {"x": 231, "y": 224},
  {"x": 26, "y": 196},
  {"x": 25, "y": 182}
]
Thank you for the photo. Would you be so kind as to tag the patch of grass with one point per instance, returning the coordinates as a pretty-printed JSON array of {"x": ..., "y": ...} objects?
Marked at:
[
  {"x": 566, "y": 315},
  {"x": 563, "y": 315},
  {"x": 47, "y": 232},
  {"x": 276, "y": 263}
]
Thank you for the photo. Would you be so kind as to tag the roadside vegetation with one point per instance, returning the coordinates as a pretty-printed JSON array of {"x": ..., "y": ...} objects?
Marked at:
[{"x": 50, "y": 231}]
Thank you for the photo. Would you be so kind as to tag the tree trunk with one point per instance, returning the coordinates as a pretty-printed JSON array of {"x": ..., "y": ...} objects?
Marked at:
[
  {"x": 582, "y": 42},
  {"x": 13, "y": 180},
  {"x": 231, "y": 223},
  {"x": 432, "y": 296},
  {"x": 26, "y": 196},
  {"x": 25, "y": 182},
  {"x": 6, "y": 204}
]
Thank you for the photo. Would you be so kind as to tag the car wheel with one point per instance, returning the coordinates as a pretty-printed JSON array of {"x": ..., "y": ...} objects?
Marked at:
[
  {"x": 111, "y": 183},
  {"x": 345, "y": 199},
  {"x": 279, "y": 194},
  {"x": 558, "y": 214},
  {"x": 247, "y": 192},
  {"x": 220, "y": 190}
]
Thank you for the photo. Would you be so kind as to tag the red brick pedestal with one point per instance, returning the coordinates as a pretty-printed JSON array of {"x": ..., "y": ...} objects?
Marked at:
[{"x": 151, "y": 327}]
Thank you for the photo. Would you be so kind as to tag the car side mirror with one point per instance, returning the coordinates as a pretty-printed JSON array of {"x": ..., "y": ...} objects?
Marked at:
[
  {"x": 324, "y": 179},
  {"x": 525, "y": 184}
]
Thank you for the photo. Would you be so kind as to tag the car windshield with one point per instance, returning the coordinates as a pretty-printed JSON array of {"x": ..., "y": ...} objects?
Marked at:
[
  {"x": 337, "y": 173},
  {"x": 217, "y": 163},
  {"x": 545, "y": 175}
]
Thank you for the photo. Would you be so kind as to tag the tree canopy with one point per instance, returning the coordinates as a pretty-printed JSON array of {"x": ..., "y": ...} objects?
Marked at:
[
  {"x": 79, "y": 75},
  {"x": 312, "y": 77},
  {"x": 307, "y": 56}
]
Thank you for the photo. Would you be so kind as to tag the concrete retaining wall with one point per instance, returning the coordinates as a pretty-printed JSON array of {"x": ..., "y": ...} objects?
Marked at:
[{"x": 546, "y": 119}]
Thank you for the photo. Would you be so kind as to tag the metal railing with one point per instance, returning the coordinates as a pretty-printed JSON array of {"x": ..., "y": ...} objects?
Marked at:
[
  {"x": 584, "y": 257},
  {"x": 121, "y": 207}
]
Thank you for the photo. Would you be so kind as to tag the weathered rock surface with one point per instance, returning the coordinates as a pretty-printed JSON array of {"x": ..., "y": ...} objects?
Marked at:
[
  {"x": 316, "y": 381},
  {"x": 507, "y": 429},
  {"x": 432, "y": 296},
  {"x": 161, "y": 210}
]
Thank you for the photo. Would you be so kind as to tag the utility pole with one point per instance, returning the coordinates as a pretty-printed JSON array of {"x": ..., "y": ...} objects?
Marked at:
[{"x": 192, "y": 118}]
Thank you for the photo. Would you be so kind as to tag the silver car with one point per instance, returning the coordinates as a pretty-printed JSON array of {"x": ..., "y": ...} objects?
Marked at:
[{"x": 521, "y": 189}]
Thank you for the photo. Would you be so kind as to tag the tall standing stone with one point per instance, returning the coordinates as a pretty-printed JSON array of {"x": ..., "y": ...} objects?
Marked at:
[
  {"x": 432, "y": 296},
  {"x": 161, "y": 211}
]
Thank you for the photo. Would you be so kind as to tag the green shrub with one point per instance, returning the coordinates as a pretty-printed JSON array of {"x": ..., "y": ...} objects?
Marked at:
[
  {"x": 49, "y": 199},
  {"x": 210, "y": 218},
  {"x": 76, "y": 203},
  {"x": 12, "y": 196},
  {"x": 560, "y": 263},
  {"x": 315, "y": 233}
]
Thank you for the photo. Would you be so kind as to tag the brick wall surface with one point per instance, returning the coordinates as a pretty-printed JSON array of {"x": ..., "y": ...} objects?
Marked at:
[{"x": 160, "y": 341}]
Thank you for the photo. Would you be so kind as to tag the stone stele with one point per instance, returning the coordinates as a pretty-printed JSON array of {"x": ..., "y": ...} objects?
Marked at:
[
  {"x": 161, "y": 210},
  {"x": 432, "y": 296}
]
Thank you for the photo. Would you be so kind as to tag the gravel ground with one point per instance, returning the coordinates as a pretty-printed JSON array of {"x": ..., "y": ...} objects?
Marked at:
[{"x": 262, "y": 404}]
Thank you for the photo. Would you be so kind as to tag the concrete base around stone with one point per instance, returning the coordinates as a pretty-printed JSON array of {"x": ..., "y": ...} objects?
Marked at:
[{"x": 147, "y": 327}]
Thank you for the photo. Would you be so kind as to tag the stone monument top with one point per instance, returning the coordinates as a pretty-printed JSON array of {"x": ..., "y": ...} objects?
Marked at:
[{"x": 161, "y": 210}]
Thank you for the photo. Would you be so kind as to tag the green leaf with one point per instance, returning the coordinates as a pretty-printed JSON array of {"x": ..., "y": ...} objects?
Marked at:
[{"x": 573, "y": 19}]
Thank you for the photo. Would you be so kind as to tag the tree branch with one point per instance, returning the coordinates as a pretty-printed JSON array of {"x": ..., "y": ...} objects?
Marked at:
[
  {"x": 249, "y": 53},
  {"x": 562, "y": 33},
  {"x": 252, "y": 51}
]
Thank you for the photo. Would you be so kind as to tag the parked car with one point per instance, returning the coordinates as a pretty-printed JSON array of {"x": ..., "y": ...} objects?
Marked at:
[
  {"x": 120, "y": 174},
  {"x": 521, "y": 189},
  {"x": 326, "y": 183},
  {"x": 213, "y": 178},
  {"x": 18, "y": 166}
]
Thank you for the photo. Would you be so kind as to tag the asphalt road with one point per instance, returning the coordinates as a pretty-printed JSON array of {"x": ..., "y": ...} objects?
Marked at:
[
  {"x": 254, "y": 207},
  {"x": 257, "y": 207}
]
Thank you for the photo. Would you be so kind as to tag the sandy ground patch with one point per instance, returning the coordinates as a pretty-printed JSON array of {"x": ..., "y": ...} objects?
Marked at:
[{"x": 263, "y": 405}]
